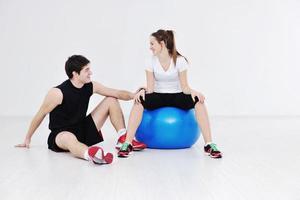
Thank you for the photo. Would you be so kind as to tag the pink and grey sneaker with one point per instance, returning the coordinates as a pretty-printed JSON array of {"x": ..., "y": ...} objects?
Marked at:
[
  {"x": 212, "y": 151},
  {"x": 125, "y": 150},
  {"x": 136, "y": 145},
  {"x": 98, "y": 156}
]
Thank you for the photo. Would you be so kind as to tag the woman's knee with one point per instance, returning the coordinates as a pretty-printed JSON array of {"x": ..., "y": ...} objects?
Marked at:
[
  {"x": 199, "y": 105},
  {"x": 138, "y": 106}
]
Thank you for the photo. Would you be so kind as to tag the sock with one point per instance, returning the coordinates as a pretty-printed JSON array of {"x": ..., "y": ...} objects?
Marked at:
[
  {"x": 86, "y": 155},
  {"x": 125, "y": 145},
  {"x": 122, "y": 131},
  {"x": 207, "y": 143}
]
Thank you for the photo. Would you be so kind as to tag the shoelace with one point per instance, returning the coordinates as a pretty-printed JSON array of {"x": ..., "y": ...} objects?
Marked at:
[
  {"x": 124, "y": 146},
  {"x": 213, "y": 146}
]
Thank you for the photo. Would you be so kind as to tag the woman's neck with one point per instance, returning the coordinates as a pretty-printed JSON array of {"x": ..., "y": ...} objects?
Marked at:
[{"x": 164, "y": 55}]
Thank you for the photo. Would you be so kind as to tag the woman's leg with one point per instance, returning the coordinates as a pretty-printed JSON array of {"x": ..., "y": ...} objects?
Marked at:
[
  {"x": 152, "y": 102},
  {"x": 134, "y": 121},
  {"x": 203, "y": 121},
  {"x": 185, "y": 101}
]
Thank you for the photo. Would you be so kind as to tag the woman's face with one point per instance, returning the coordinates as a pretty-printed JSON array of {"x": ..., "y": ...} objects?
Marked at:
[{"x": 155, "y": 46}]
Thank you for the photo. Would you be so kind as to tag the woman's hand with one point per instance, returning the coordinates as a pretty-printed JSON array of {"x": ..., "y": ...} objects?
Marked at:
[
  {"x": 141, "y": 93},
  {"x": 200, "y": 96}
]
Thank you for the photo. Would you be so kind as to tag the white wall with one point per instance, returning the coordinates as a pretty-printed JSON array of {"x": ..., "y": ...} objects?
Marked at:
[{"x": 244, "y": 54}]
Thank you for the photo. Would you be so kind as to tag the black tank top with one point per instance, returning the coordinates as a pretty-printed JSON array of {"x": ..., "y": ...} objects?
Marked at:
[{"x": 73, "y": 108}]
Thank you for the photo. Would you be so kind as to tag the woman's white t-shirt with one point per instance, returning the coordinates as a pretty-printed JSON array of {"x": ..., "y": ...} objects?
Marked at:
[{"x": 166, "y": 81}]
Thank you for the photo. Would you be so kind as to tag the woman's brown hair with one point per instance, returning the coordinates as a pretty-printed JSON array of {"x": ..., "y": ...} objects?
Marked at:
[{"x": 167, "y": 36}]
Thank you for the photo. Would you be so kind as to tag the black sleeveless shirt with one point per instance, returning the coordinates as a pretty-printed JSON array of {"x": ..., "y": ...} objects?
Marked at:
[{"x": 73, "y": 108}]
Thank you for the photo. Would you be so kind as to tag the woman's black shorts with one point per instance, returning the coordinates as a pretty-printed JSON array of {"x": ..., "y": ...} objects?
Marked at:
[{"x": 179, "y": 100}]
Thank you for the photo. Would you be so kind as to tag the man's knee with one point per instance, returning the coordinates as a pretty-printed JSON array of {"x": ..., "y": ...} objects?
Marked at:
[
  {"x": 64, "y": 138},
  {"x": 111, "y": 100}
]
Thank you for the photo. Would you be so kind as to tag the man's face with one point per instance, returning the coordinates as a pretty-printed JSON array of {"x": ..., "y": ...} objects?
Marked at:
[{"x": 85, "y": 74}]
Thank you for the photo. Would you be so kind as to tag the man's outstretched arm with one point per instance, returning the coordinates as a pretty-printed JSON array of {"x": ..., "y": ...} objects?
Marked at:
[
  {"x": 110, "y": 92},
  {"x": 52, "y": 99}
]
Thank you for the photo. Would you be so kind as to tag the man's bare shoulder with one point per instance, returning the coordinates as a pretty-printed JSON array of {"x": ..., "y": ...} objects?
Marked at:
[{"x": 55, "y": 95}]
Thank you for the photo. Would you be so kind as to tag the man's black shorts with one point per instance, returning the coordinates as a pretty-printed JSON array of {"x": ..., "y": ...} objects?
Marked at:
[{"x": 85, "y": 132}]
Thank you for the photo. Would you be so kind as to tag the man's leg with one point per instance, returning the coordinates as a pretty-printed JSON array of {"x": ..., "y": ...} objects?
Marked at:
[
  {"x": 68, "y": 141},
  {"x": 109, "y": 106}
]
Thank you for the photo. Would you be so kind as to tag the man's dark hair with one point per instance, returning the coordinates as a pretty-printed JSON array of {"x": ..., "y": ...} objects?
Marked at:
[{"x": 75, "y": 63}]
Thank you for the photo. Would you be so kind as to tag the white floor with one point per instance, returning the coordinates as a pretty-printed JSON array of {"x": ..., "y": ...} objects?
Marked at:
[{"x": 261, "y": 161}]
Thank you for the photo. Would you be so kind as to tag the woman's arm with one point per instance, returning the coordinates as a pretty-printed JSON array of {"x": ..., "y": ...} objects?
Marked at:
[
  {"x": 186, "y": 88},
  {"x": 150, "y": 81},
  {"x": 184, "y": 83}
]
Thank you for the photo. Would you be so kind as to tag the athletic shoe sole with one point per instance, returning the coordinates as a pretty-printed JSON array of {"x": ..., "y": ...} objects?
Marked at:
[
  {"x": 98, "y": 156},
  {"x": 118, "y": 147},
  {"x": 217, "y": 156}
]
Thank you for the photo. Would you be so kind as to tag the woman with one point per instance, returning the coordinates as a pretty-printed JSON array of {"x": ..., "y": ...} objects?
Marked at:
[{"x": 167, "y": 85}]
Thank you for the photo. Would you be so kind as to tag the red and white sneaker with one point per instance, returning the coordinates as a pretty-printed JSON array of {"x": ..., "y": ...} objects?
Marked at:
[
  {"x": 136, "y": 145},
  {"x": 98, "y": 156}
]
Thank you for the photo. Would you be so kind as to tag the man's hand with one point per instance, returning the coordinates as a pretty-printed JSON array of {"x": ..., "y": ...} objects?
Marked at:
[
  {"x": 25, "y": 144},
  {"x": 138, "y": 95},
  {"x": 139, "y": 89}
]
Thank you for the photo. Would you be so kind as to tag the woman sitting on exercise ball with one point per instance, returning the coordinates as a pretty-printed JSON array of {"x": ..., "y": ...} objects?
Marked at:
[{"x": 167, "y": 85}]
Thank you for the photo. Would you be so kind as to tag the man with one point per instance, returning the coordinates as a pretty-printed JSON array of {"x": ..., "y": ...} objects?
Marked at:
[{"x": 71, "y": 129}]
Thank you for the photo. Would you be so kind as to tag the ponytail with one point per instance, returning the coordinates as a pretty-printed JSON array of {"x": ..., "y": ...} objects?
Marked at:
[
  {"x": 171, "y": 45},
  {"x": 167, "y": 36}
]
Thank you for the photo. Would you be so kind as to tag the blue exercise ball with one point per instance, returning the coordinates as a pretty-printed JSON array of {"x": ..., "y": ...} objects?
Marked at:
[{"x": 168, "y": 128}]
